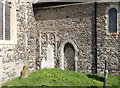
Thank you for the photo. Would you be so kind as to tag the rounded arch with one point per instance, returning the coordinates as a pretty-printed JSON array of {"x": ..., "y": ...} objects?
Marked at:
[
  {"x": 67, "y": 45},
  {"x": 112, "y": 20},
  {"x": 61, "y": 53},
  {"x": 69, "y": 57},
  {"x": 108, "y": 8}
]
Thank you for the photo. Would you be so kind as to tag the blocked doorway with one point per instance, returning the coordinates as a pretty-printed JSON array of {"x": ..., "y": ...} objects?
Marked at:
[{"x": 69, "y": 57}]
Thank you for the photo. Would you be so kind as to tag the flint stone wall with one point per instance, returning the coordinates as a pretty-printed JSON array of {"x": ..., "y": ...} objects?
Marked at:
[
  {"x": 106, "y": 43},
  {"x": 15, "y": 56},
  {"x": 71, "y": 22},
  {"x": 75, "y": 22}
]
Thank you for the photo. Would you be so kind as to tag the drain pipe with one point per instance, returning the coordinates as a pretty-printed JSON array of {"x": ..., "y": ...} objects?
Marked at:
[{"x": 95, "y": 34}]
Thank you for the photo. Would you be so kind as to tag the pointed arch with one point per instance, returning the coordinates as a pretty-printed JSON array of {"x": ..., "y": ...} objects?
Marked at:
[{"x": 61, "y": 53}]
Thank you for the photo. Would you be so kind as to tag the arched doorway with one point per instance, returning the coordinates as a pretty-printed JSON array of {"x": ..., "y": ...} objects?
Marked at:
[
  {"x": 66, "y": 46},
  {"x": 69, "y": 57}
]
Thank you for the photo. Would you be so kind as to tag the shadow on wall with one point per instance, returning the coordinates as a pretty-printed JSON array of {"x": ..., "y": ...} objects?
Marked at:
[
  {"x": 119, "y": 54},
  {"x": 96, "y": 36},
  {"x": 93, "y": 68},
  {"x": 71, "y": 12},
  {"x": 38, "y": 60},
  {"x": 63, "y": 12}
]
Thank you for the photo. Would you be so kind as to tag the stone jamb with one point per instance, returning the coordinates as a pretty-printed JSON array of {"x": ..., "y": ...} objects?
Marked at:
[
  {"x": 61, "y": 53},
  {"x": 107, "y": 16},
  {"x": 3, "y": 20}
]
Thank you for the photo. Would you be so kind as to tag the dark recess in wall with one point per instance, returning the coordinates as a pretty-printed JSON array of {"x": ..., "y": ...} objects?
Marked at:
[{"x": 48, "y": 4}]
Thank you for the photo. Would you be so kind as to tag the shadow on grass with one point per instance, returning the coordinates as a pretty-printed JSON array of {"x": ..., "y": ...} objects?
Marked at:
[
  {"x": 96, "y": 77},
  {"x": 44, "y": 86},
  {"x": 93, "y": 87}
]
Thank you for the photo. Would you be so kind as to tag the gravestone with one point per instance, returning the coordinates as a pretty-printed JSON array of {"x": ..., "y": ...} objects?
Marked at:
[
  {"x": 25, "y": 72},
  {"x": 50, "y": 56},
  {"x": 106, "y": 73},
  {"x": 49, "y": 62},
  {"x": 43, "y": 63}
]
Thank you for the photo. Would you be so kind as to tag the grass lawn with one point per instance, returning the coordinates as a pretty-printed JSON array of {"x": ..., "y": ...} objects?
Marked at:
[{"x": 57, "y": 77}]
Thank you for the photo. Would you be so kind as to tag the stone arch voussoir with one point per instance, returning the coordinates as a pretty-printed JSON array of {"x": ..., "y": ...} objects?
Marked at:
[{"x": 61, "y": 53}]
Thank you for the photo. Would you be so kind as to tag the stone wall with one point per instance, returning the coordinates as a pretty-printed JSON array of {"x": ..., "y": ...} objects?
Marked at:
[
  {"x": 76, "y": 22},
  {"x": 70, "y": 22},
  {"x": 15, "y": 56},
  {"x": 54, "y": 26},
  {"x": 107, "y": 45}
]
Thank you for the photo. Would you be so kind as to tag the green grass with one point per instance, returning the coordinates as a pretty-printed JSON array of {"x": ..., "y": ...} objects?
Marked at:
[{"x": 57, "y": 77}]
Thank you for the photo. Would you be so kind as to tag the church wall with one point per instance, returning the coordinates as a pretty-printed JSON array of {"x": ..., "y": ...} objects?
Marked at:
[
  {"x": 77, "y": 23},
  {"x": 15, "y": 56},
  {"x": 70, "y": 22},
  {"x": 54, "y": 26},
  {"x": 107, "y": 44}
]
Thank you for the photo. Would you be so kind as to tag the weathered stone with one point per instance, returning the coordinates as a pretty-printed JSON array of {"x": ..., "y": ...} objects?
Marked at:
[
  {"x": 54, "y": 26},
  {"x": 50, "y": 56},
  {"x": 25, "y": 72}
]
